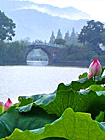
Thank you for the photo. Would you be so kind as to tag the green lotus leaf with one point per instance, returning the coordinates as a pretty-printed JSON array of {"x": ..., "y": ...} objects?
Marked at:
[
  {"x": 84, "y": 75},
  {"x": 47, "y": 98},
  {"x": 25, "y": 101},
  {"x": 82, "y": 101},
  {"x": 100, "y": 117},
  {"x": 97, "y": 88},
  {"x": 77, "y": 85},
  {"x": 87, "y": 101},
  {"x": 35, "y": 118},
  {"x": 100, "y": 80},
  {"x": 70, "y": 125}
]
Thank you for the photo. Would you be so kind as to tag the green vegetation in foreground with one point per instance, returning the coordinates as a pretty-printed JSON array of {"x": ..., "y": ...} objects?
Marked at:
[
  {"x": 74, "y": 111},
  {"x": 70, "y": 126}
]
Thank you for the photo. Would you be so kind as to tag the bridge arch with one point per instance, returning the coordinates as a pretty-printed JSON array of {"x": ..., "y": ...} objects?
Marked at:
[{"x": 46, "y": 50}]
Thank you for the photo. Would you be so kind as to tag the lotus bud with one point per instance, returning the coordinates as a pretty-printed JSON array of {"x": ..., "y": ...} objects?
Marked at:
[
  {"x": 7, "y": 104},
  {"x": 95, "y": 68}
]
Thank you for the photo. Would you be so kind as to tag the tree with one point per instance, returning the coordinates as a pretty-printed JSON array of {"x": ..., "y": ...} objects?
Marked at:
[
  {"x": 103, "y": 38},
  {"x": 92, "y": 33},
  {"x": 12, "y": 52},
  {"x": 6, "y": 27},
  {"x": 60, "y": 41}
]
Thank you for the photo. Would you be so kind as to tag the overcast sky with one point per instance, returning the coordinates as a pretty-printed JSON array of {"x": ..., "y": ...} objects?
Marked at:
[{"x": 95, "y": 8}]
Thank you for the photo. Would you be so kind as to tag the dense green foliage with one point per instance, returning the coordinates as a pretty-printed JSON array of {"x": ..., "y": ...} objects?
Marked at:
[
  {"x": 60, "y": 41},
  {"x": 92, "y": 33},
  {"x": 6, "y": 27},
  {"x": 87, "y": 48},
  {"x": 12, "y": 53},
  {"x": 74, "y": 111},
  {"x": 81, "y": 53}
]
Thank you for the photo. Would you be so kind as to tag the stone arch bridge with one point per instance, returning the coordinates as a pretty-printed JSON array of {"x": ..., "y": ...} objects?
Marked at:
[{"x": 52, "y": 51}]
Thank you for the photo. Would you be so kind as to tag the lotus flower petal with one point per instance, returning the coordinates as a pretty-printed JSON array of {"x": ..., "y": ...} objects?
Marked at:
[
  {"x": 90, "y": 75},
  {"x": 7, "y": 104},
  {"x": 94, "y": 68}
]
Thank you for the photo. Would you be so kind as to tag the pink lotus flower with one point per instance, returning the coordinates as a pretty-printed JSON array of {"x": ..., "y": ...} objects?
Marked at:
[
  {"x": 7, "y": 104},
  {"x": 94, "y": 68}
]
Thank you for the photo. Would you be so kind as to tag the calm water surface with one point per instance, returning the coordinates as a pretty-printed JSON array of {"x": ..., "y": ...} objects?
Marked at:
[{"x": 29, "y": 80}]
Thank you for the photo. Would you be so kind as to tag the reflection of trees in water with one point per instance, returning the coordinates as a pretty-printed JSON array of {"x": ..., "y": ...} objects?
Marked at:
[{"x": 37, "y": 54}]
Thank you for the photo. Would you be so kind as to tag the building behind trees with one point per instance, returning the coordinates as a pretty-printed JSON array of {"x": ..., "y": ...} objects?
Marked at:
[
  {"x": 52, "y": 38},
  {"x": 68, "y": 38},
  {"x": 59, "y": 35}
]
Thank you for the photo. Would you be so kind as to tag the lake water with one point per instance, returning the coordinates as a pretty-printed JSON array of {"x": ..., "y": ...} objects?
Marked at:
[{"x": 29, "y": 80}]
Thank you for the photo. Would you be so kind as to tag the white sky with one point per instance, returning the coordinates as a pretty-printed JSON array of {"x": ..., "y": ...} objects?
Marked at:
[{"x": 95, "y": 8}]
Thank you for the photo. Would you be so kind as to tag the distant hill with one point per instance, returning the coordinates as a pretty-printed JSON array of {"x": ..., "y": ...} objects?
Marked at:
[
  {"x": 68, "y": 12},
  {"x": 37, "y": 21}
]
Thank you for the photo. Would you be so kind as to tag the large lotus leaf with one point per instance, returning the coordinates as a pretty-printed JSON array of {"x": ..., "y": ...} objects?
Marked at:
[
  {"x": 70, "y": 125},
  {"x": 29, "y": 99},
  {"x": 83, "y": 83},
  {"x": 97, "y": 88},
  {"x": 25, "y": 101},
  {"x": 101, "y": 80},
  {"x": 46, "y": 98},
  {"x": 100, "y": 117},
  {"x": 68, "y": 96},
  {"x": 35, "y": 118},
  {"x": 86, "y": 101},
  {"x": 75, "y": 85},
  {"x": 54, "y": 138},
  {"x": 38, "y": 99},
  {"x": 102, "y": 125}
]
